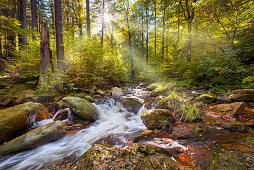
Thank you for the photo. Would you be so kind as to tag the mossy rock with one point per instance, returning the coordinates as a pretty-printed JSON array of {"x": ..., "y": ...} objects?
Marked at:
[
  {"x": 132, "y": 104},
  {"x": 236, "y": 160},
  {"x": 207, "y": 98},
  {"x": 161, "y": 119},
  {"x": 82, "y": 107},
  {"x": 16, "y": 119},
  {"x": 39, "y": 136},
  {"x": 153, "y": 86}
]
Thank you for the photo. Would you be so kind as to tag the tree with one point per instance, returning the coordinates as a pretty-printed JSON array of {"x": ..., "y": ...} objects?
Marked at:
[
  {"x": 155, "y": 13},
  {"x": 34, "y": 17},
  {"x": 188, "y": 12},
  {"x": 22, "y": 19},
  {"x": 59, "y": 35},
  {"x": 46, "y": 55},
  {"x": 88, "y": 18}
]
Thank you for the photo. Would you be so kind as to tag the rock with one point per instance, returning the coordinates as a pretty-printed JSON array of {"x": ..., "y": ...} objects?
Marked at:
[
  {"x": 5, "y": 100},
  {"x": 207, "y": 98},
  {"x": 153, "y": 86},
  {"x": 16, "y": 119},
  {"x": 160, "y": 91},
  {"x": 132, "y": 104},
  {"x": 39, "y": 136},
  {"x": 100, "y": 92},
  {"x": 97, "y": 96},
  {"x": 82, "y": 107},
  {"x": 89, "y": 98},
  {"x": 42, "y": 113},
  {"x": 39, "y": 99},
  {"x": 116, "y": 91},
  {"x": 242, "y": 95},
  {"x": 232, "y": 125},
  {"x": 136, "y": 156},
  {"x": 229, "y": 110},
  {"x": 236, "y": 160},
  {"x": 161, "y": 119}
]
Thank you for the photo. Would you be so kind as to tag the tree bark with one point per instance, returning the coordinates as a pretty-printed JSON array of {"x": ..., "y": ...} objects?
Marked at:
[
  {"x": 34, "y": 17},
  {"x": 22, "y": 19},
  {"x": 189, "y": 41},
  {"x": 102, "y": 24},
  {"x": 163, "y": 32},
  {"x": 142, "y": 35},
  {"x": 155, "y": 11},
  {"x": 131, "y": 57},
  {"x": 88, "y": 18},
  {"x": 147, "y": 32},
  {"x": 46, "y": 55},
  {"x": 59, "y": 35}
]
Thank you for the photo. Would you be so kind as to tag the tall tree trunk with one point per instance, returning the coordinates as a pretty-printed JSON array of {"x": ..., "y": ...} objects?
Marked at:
[
  {"x": 189, "y": 41},
  {"x": 46, "y": 55},
  {"x": 131, "y": 57},
  {"x": 1, "y": 55},
  {"x": 147, "y": 32},
  {"x": 178, "y": 24},
  {"x": 88, "y": 18},
  {"x": 102, "y": 24},
  {"x": 142, "y": 35},
  {"x": 155, "y": 30},
  {"x": 34, "y": 17},
  {"x": 22, "y": 19},
  {"x": 59, "y": 35},
  {"x": 52, "y": 15},
  {"x": 163, "y": 32}
]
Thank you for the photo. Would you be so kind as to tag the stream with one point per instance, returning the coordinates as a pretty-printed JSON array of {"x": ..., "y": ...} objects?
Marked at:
[{"x": 113, "y": 120}]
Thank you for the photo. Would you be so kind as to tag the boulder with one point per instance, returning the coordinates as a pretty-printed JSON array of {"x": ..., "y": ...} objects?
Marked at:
[
  {"x": 42, "y": 113},
  {"x": 229, "y": 110},
  {"x": 160, "y": 91},
  {"x": 39, "y": 136},
  {"x": 207, "y": 98},
  {"x": 100, "y": 92},
  {"x": 16, "y": 119},
  {"x": 161, "y": 119},
  {"x": 89, "y": 98},
  {"x": 132, "y": 104},
  {"x": 116, "y": 91},
  {"x": 136, "y": 156},
  {"x": 82, "y": 107},
  {"x": 242, "y": 95},
  {"x": 39, "y": 99}
]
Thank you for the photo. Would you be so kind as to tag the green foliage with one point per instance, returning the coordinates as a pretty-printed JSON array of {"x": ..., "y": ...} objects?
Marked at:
[
  {"x": 184, "y": 111},
  {"x": 90, "y": 66}
]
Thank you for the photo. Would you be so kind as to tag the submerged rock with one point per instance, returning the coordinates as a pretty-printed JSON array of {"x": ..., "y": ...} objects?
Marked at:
[
  {"x": 207, "y": 98},
  {"x": 82, "y": 107},
  {"x": 136, "y": 156},
  {"x": 161, "y": 119},
  {"x": 39, "y": 136},
  {"x": 132, "y": 104},
  {"x": 242, "y": 95},
  {"x": 15, "y": 119},
  {"x": 6, "y": 100}
]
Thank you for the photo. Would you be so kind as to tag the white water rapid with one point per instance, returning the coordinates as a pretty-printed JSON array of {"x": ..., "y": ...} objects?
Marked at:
[{"x": 113, "y": 120}]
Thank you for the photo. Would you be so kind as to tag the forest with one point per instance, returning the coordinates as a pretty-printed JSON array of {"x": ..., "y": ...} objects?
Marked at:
[{"x": 159, "y": 81}]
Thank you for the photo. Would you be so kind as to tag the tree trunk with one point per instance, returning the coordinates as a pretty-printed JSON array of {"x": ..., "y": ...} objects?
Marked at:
[
  {"x": 1, "y": 56},
  {"x": 163, "y": 33},
  {"x": 34, "y": 17},
  {"x": 146, "y": 32},
  {"x": 46, "y": 55},
  {"x": 189, "y": 42},
  {"x": 131, "y": 57},
  {"x": 178, "y": 24},
  {"x": 59, "y": 35},
  {"x": 52, "y": 15},
  {"x": 102, "y": 24},
  {"x": 22, "y": 19},
  {"x": 142, "y": 35},
  {"x": 155, "y": 31},
  {"x": 88, "y": 18}
]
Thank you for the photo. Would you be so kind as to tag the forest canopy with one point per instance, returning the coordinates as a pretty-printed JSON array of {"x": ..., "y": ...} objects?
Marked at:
[{"x": 72, "y": 44}]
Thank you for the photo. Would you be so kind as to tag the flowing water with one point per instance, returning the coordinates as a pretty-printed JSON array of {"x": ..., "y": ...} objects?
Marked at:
[{"x": 113, "y": 120}]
